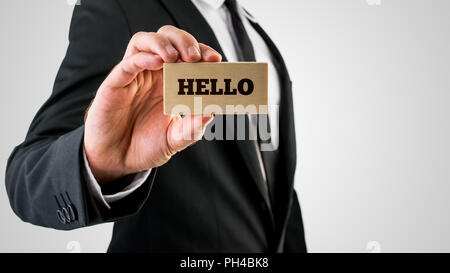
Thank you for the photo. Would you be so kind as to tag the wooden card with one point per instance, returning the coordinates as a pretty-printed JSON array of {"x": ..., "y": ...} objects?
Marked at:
[{"x": 219, "y": 88}]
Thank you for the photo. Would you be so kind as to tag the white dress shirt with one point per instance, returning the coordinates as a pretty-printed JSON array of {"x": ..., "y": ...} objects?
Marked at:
[{"x": 219, "y": 19}]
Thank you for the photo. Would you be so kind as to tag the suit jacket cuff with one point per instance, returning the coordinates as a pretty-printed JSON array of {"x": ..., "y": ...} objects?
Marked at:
[{"x": 130, "y": 184}]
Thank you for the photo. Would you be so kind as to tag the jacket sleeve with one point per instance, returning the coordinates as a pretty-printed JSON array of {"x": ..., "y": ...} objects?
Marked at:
[
  {"x": 295, "y": 237},
  {"x": 44, "y": 178}
]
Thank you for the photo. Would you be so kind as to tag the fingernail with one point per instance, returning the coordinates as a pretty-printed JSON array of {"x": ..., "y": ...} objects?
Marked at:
[
  {"x": 171, "y": 50},
  {"x": 193, "y": 51}
]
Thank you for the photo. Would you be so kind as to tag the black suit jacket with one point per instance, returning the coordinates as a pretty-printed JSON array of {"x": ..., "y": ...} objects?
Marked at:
[{"x": 205, "y": 199}]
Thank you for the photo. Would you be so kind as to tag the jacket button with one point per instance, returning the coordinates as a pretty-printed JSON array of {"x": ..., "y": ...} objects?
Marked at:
[
  {"x": 66, "y": 215},
  {"x": 71, "y": 213},
  {"x": 61, "y": 217}
]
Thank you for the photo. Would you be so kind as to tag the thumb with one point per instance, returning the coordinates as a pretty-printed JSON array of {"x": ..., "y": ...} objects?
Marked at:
[{"x": 185, "y": 131}]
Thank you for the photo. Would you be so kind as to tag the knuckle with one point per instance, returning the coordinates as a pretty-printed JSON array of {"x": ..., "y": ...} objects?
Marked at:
[
  {"x": 179, "y": 34},
  {"x": 139, "y": 35},
  {"x": 157, "y": 37},
  {"x": 166, "y": 28},
  {"x": 187, "y": 39},
  {"x": 124, "y": 67}
]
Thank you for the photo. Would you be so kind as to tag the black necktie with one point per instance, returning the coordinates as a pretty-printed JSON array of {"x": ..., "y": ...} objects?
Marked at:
[
  {"x": 246, "y": 53},
  {"x": 245, "y": 45}
]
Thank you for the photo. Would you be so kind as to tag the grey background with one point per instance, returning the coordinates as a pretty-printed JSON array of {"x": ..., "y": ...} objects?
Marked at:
[{"x": 371, "y": 90}]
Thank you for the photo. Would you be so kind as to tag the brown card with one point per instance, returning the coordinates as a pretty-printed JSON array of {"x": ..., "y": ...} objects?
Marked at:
[{"x": 220, "y": 88}]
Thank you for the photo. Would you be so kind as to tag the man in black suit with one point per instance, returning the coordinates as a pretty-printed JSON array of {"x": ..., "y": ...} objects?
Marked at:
[{"x": 101, "y": 150}]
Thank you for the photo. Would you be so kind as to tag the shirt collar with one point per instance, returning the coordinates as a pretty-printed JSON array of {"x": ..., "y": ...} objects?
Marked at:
[{"x": 214, "y": 3}]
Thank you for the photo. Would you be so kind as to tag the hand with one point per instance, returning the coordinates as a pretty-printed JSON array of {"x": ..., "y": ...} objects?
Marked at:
[{"x": 125, "y": 128}]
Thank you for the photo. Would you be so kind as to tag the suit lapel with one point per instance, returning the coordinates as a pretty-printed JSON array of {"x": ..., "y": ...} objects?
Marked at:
[
  {"x": 248, "y": 150},
  {"x": 287, "y": 127},
  {"x": 287, "y": 146}
]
